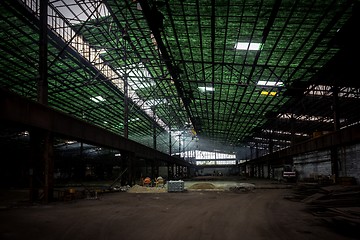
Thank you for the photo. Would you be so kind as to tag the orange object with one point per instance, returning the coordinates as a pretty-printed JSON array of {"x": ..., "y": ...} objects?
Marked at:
[{"x": 147, "y": 180}]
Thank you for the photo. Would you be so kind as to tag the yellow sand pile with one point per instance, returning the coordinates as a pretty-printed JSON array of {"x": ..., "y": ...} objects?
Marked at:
[
  {"x": 142, "y": 189},
  {"x": 202, "y": 186}
]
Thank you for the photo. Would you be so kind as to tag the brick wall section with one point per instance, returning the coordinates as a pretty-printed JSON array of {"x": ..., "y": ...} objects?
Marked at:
[
  {"x": 313, "y": 163},
  {"x": 350, "y": 162},
  {"x": 319, "y": 163}
]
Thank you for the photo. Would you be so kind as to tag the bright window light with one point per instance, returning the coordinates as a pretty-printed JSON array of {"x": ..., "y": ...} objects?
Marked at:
[
  {"x": 247, "y": 46},
  {"x": 266, "y": 93},
  {"x": 326, "y": 90},
  {"x": 201, "y": 155},
  {"x": 206, "y": 89},
  {"x": 155, "y": 102},
  {"x": 76, "y": 11},
  {"x": 305, "y": 117},
  {"x": 134, "y": 119},
  {"x": 98, "y": 99},
  {"x": 211, "y": 162},
  {"x": 270, "y": 83}
]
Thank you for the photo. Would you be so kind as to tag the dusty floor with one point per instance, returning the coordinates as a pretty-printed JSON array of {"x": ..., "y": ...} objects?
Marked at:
[{"x": 263, "y": 212}]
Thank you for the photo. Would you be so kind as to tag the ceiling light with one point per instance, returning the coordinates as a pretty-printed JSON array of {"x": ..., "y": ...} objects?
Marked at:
[
  {"x": 267, "y": 93},
  {"x": 247, "y": 46},
  {"x": 206, "y": 89},
  {"x": 98, "y": 99}
]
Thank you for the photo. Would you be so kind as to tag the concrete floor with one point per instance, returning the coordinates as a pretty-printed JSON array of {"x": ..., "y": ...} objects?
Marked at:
[{"x": 260, "y": 213}]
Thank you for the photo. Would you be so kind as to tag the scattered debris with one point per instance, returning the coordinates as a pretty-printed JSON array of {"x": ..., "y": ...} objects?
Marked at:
[
  {"x": 118, "y": 188},
  {"x": 337, "y": 206},
  {"x": 242, "y": 187}
]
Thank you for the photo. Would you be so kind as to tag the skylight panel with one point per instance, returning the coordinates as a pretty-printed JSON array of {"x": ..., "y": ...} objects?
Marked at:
[
  {"x": 270, "y": 83},
  {"x": 138, "y": 76},
  {"x": 98, "y": 99},
  {"x": 206, "y": 89},
  {"x": 79, "y": 11},
  {"x": 248, "y": 46},
  {"x": 155, "y": 102}
]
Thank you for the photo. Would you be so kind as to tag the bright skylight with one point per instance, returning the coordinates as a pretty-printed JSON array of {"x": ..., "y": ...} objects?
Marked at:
[
  {"x": 79, "y": 11},
  {"x": 247, "y": 46},
  {"x": 212, "y": 162},
  {"x": 155, "y": 102},
  {"x": 206, "y": 89},
  {"x": 270, "y": 83},
  {"x": 200, "y": 155},
  {"x": 98, "y": 99},
  {"x": 326, "y": 90},
  {"x": 138, "y": 76}
]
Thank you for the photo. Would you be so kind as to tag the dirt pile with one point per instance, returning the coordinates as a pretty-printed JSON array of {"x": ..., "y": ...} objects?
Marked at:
[
  {"x": 202, "y": 186},
  {"x": 142, "y": 189}
]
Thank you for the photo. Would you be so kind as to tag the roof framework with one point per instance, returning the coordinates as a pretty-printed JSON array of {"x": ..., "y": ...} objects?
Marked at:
[{"x": 147, "y": 68}]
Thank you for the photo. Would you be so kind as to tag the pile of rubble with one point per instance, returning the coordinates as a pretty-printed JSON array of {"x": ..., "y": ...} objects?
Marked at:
[
  {"x": 337, "y": 206},
  {"x": 242, "y": 187}
]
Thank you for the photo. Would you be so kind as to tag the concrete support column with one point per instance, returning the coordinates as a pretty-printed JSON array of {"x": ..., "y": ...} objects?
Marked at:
[
  {"x": 127, "y": 163},
  {"x": 126, "y": 108},
  {"x": 177, "y": 171},
  {"x": 336, "y": 108},
  {"x": 35, "y": 167},
  {"x": 170, "y": 142},
  {"x": 169, "y": 170},
  {"x": 154, "y": 129},
  {"x": 334, "y": 162},
  {"x": 49, "y": 167},
  {"x": 292, "y": 131},
  {"x": 334, "y": 150},
  {"x": 41, "y": 167},
  {"x": 131, "y": 168}
]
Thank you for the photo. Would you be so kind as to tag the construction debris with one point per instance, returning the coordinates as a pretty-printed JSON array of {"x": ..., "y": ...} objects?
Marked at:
[
  {"x": 337, "y": 206},
  {"x": 242, "y": 187}
]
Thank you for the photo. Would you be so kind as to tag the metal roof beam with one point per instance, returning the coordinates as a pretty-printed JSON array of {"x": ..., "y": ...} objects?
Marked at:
[{"x": 36, "y": 115}]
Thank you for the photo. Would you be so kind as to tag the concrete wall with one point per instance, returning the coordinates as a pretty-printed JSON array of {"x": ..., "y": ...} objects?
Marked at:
[
  {"x": 319, "y": 163},
  {"x": 350, "y": 162},
  {"x": 313, "y": 163},
  {"x": 210, "y": 171},
  {"x": 277, "y": 173},
  {"x": 163, "y": 171}
]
